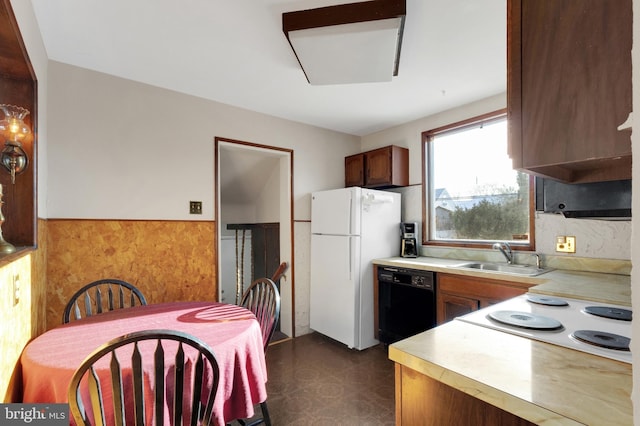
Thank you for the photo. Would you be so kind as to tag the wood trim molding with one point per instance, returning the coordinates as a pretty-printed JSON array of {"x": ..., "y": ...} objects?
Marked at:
[
  {"x": 217, "y": 141},
  {"x": 343, "y": 14}
]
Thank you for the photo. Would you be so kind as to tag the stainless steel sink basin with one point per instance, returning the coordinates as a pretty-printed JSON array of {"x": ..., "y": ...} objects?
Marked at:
[{"x": 530, "y": 271}]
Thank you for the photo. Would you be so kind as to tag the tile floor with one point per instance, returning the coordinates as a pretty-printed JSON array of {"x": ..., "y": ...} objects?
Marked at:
[{"x": 314, "y": 380}]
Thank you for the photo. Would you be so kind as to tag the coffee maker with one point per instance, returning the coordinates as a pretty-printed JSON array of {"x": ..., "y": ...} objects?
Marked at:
[{"x": 408, "y": 241}]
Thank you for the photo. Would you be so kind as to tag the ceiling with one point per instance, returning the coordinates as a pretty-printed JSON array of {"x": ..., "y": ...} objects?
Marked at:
[{"x": 234, "y": 52}]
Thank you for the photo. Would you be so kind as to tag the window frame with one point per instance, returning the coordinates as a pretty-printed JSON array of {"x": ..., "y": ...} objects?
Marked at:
[{"x": 428, "y": 136}]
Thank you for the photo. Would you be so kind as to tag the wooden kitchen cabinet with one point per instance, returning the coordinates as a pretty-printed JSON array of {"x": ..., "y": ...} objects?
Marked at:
[
  {"x": 460, "y": 294},
  {"x": 380, "y": 168},
  {"x": 452, "y": 306},
  {"x": 421, "y": 400},
  {"x": 354, "y": 170},
  {"x": 569, "y": 88}
]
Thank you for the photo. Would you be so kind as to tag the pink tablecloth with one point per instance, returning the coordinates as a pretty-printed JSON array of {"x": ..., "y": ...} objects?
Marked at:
[{"x": 49, "y": 361}]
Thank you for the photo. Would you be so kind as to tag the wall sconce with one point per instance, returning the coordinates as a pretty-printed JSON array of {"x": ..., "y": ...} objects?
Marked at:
[{"x": 13, "y": 157}]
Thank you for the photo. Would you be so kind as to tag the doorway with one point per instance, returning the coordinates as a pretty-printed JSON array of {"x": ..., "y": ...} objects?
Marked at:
[{"x": 254, "y": 187}]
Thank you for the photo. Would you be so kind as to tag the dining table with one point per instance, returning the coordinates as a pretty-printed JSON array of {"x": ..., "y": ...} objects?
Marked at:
[{"x": 49, "y": 361}]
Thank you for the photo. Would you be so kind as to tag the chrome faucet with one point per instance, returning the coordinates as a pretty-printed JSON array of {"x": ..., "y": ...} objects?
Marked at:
[{"x": 505, "y": 249}]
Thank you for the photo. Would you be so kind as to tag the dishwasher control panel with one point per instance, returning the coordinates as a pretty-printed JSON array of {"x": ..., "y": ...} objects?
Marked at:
[{"x": 410, "y": 277}]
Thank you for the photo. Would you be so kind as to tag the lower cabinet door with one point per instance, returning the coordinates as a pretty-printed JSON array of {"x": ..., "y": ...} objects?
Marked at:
[{"x": 451, "y": 306}]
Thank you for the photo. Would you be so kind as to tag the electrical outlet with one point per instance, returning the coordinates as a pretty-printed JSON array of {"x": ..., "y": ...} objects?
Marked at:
[
  {"x": 16, "y": 288},
  {"x": 565, "y": 244},
  {"x": 195, "y": 207}
]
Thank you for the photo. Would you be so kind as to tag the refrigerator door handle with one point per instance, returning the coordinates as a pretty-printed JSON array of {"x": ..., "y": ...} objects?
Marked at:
[
  {"x": 351, "y": 216},
  {"x": 350, "y": 258}
]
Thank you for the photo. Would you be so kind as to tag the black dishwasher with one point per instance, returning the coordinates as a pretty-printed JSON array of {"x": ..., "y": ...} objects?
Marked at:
[{"x": 406, "y": 303}]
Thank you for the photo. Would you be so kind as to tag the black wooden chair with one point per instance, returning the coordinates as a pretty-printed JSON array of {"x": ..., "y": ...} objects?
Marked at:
[
  {"x": 263, "y": 299},
  {"x": 126, "y": 381},
  {"x": 101, "y": 296}
]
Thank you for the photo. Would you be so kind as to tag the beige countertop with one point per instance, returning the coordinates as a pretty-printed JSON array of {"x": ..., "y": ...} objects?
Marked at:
[
  {"x": 598, "y": 287},
  {"x": 543, "y": 383}
]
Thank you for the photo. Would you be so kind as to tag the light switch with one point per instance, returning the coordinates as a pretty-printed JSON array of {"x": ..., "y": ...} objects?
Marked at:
[{"x": 195, "y": 207}]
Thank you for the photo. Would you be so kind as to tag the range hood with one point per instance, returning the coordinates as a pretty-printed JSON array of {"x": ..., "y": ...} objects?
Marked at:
[{"x": 609, "y": 200}]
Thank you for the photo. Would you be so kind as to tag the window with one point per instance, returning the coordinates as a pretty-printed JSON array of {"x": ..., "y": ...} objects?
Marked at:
[{"x": 473, "y": 197}]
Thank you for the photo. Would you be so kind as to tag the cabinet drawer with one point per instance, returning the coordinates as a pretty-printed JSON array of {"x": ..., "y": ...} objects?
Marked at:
[{"x": 482, "y": 288}]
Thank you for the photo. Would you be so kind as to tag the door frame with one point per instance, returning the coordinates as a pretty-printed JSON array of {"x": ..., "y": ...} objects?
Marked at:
[{"x": 286, "y": 187}]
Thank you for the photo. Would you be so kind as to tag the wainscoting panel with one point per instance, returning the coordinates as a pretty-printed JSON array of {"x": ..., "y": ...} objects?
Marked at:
[{"x": 167, "y": 260}]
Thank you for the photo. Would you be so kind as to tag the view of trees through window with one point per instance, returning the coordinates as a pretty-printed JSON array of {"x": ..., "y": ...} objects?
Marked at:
[{"x": 474, "y": 193}]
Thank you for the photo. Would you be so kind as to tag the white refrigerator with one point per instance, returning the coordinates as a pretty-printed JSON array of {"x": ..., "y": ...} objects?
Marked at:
[{"x": 349, "y": 228}]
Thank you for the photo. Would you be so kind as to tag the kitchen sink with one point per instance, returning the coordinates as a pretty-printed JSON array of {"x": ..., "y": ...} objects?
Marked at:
[{"x": 526, "y": 270}]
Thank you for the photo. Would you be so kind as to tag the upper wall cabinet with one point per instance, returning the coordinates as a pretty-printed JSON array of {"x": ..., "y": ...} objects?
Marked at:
[
  {"x": 569, "y": 88},
  {"x": 381, "y": 168}
]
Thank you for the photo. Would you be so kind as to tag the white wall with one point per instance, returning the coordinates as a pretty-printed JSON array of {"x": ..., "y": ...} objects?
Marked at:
[
  {"x": 594, "y": 238},
  {"x": 268, "y": 203},
  {"x": 302, "y": 241},
  {"x": 125, "y": 150},
  {"x": 237, "y": 213},
  {"x": 288, "y": 319}
]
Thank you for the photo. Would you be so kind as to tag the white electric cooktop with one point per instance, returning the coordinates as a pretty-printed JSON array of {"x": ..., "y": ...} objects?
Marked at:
[{"x": 558, "y": 323}]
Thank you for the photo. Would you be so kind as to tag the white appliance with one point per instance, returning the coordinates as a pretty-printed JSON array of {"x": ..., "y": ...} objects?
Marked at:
[
  {"x": 349, "y": 228},
  {"x": 572, "y": 315}
]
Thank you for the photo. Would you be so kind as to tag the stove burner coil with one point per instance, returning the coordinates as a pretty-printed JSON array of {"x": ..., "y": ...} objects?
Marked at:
[
  {"x": 525, "y": 320},
  {"x": 602, "y": 339},
  {"x": 546, "y": 300},
  {"x": 609, "y": 312}
]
